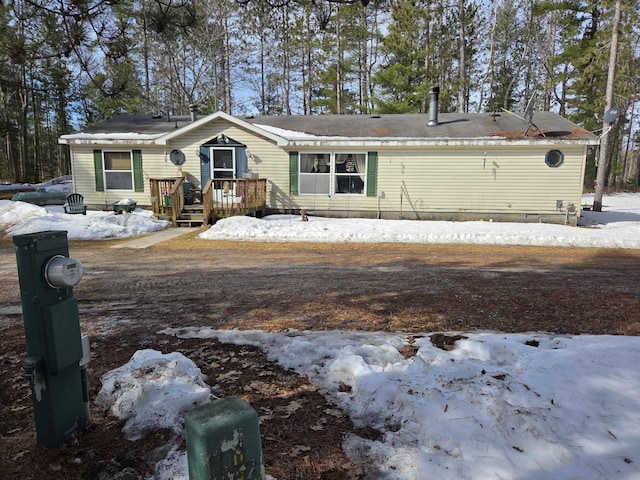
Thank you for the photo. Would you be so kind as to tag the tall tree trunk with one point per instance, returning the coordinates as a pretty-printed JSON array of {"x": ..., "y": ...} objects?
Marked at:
[
  {"x": 227, "y": 72},
  {"x": 549, "y": 54},
  {"x": 462, "y": 67},
  {"x": 263, "y": 78},
  {"x": 338, "y": 71},
  {"x": 363, "y": 99},
  {"x": 38, "y": 166},
  {"x": 625, "y": 163},
  {"x": 489, "y": 72},
  {"x": 605, "y": 153},
  {"x": 24, "y": 129},
  {"x": 145, "y": 55}
]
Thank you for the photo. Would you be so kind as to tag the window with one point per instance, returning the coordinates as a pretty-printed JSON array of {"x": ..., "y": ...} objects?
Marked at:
[
  {"x": 350, "y": 173},
  {"x": 118, "y": 171},
  {"x": 332, "y": 173},
  {"x": 315, "y": 173},
  {"x": 554, "y": 158},
  {"x": 224, "y": 163}
]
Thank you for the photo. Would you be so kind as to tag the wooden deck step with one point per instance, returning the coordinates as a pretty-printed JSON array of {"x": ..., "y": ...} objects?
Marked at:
[{"x": 191, "y": 216}]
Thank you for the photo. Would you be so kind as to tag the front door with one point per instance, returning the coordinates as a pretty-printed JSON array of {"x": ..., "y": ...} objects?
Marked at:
[{"x": 223, "y": 164}]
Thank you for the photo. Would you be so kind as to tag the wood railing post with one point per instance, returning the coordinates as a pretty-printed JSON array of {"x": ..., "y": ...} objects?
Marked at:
[
  {"x": 177, "y": 199},
  {"x": 207, "y": 202}
]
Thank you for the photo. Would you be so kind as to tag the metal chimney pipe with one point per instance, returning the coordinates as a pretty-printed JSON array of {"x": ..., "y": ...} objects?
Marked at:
[
  {"x": 193, "y": 108},
  {"x": 433, "y": 106}
]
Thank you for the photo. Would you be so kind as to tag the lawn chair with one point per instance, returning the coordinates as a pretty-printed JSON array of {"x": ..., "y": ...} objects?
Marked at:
[{"x": 75, "y": 204}]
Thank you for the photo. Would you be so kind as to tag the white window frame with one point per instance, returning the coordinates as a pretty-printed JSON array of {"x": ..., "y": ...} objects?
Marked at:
[
  {"x": 232, "y": 169},
  {"x": 332, "y": 173},
  {"x": 362, "y": 175},
  {"x": 105, "y": 172},
  {"x": 322, "y": 176}
]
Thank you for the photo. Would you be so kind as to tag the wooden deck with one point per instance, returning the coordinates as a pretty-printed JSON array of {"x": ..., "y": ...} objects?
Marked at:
[
  {"x": 223, "y": 198},
  {"x": 220, "y": 198}
]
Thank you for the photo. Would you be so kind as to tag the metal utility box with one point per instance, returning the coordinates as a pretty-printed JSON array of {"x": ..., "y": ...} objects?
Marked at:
[
  {"x": 56, "y": 352},
  {"x": 223, "y": 441}
]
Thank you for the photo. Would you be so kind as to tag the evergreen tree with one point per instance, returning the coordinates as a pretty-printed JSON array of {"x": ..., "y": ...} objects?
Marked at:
[{"x": 406, "y": 74}]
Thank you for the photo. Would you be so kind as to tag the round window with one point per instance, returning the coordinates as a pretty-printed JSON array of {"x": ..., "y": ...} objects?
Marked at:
[
  {"x": 177, "y": 157},
  {"x": 554, "y": 158}
]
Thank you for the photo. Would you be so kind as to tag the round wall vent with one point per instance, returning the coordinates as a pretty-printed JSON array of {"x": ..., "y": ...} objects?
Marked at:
[{"x": 554, "y": 158}]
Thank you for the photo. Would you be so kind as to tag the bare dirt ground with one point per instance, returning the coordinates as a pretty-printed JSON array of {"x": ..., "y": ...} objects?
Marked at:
[{"x": 127, "y": 296}]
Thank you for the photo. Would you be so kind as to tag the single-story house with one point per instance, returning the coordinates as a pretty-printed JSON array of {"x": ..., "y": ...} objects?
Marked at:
[{"x": 448, "y": 166}]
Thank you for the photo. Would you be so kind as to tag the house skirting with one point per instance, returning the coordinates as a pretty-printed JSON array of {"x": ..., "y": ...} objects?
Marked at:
[{"x": 559, "y": 218}]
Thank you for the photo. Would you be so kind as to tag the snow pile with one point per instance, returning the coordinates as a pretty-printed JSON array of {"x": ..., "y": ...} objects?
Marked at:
[
  {"x": 616, "y": 227},
  {"x": 125, "y": 201},
  {"x": 20, "y": 218},
  {"x": 153, "y": 391},
  {"x": 494, "y": 406}
]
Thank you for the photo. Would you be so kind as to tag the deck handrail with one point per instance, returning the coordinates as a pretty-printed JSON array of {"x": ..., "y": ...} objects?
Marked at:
[
  {"x": 167, "y": 197},
  {"x": 177, "y": 199},
  {"x": 225, "y": 197},
  {"x": 221, "y": 197},
  {"x": 207, "y": 203}
]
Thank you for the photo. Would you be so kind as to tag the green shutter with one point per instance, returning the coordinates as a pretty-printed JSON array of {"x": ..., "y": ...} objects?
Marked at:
[
  {"x": 138, "y": 181},
  {"x": 97, "y": 165},
  {"x": 372, "y": 174},
  {"x": 293, "y": 173}
]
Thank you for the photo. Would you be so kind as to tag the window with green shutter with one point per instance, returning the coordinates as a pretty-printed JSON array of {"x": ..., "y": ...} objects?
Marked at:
[
  {"x": 118, "y": 170},
  {"x": 334, "y": 173}
]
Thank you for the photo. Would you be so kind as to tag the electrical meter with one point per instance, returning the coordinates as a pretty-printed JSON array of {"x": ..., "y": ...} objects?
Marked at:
[{"x": 61, "y": 272}]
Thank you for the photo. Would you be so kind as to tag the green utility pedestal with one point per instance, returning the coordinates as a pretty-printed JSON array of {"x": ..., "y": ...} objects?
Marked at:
[
  {"x": 56, "y": 353},
  {"x": 223, "y": 441}
]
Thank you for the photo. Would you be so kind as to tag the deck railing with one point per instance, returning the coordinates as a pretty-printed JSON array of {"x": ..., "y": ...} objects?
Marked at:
[
  {"x": 233, "y": 196},
  {"x": 167, "y": 197},
  {"x": 220, "y": 197}
]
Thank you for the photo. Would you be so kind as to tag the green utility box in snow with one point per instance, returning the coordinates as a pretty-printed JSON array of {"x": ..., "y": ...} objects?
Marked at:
[
  {"x": 223, "y": 441},
  {"x": 57, "y": 354}
]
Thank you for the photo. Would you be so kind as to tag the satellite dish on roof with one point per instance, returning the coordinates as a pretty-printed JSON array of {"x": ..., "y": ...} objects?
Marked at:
[{"x": 612, "y": 114}]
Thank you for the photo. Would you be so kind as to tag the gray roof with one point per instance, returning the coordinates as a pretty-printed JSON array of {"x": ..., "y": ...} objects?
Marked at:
[
  {"x": 450, "y": 125},
  {"x": 546, "y": 125},
  {"x": 142, "y": 124}
]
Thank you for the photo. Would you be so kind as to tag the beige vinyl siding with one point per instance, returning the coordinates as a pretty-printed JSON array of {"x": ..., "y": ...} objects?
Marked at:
[
  {"x": 344, "y": 203},
  {"x": 154, "y": 163},
  {"x": 485, "y": 180},
  {"x": 268, "y": 160},
  {"x": 508, "y": 180}
]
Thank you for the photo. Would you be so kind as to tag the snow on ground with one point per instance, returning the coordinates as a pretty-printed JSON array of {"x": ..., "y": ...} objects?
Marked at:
[
  {"x": 618, "y": 226},
  {"x": 19, "y": 218},
  {"x": 497, "y": 406},
  {"x": 525, "y": 406}
]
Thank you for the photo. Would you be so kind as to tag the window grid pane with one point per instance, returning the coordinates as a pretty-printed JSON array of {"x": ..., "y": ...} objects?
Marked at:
[
  {"x": 118, "y": 180},
  {"x": 117, "y": 161}
]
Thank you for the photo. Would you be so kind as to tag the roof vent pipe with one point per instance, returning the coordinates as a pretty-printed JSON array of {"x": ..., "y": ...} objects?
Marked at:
[
  {"x": 433, "y": 106},
  {"x": 193, "y": 108}
]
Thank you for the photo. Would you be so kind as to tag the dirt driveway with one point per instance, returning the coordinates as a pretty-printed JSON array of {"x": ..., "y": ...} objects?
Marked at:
[{"x": 127, "y": 296}]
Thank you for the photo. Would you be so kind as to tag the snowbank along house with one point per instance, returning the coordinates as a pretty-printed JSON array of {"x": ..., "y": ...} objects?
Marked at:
[{"x": 449, "y": 166}]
